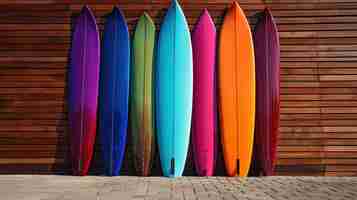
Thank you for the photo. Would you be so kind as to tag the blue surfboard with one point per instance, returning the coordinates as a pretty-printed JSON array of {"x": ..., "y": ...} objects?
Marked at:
[
  {"x": 114, "y": 91},
  {"x": 174, "y": 85}
]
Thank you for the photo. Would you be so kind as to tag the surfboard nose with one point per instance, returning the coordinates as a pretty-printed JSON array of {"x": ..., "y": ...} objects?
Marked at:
[
  {"x": 85, "y": 8},
  {"x": 235, "y": 5}
]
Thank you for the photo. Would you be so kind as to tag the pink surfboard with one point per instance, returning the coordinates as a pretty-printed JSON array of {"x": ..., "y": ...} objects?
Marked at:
[{"x": 204, "y": 103}]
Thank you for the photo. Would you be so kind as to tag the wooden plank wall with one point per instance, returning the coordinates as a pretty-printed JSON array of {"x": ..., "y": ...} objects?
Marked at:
[{"x": 318, "y": 80}]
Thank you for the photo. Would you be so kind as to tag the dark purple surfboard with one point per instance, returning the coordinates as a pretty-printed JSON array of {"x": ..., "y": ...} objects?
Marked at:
[
  {"x": 267, "y": 62},
  {"x": 83, "y": 91}
]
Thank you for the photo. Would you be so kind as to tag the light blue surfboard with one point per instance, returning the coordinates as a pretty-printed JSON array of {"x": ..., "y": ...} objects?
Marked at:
[{"x": 174, "y": 83}]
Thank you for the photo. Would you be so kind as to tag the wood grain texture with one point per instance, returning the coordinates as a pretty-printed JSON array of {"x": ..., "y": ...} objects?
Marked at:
[{"x": 318, "y": 81}]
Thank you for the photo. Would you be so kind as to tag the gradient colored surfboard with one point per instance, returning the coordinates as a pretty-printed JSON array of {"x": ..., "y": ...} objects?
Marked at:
[
  {"x": 236, "y": 78},
  {"x": 204, "y": 103},
  {"x": 267, "y": 60},
  {"x": 83, "y": 91},
  {"x": 114, "y": 91},
  {"x": 141, "y": 101},
  {"x": 174, "y": 91}
]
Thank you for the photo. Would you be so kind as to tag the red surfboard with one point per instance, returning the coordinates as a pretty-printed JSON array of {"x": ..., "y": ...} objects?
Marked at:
[{"x": 267, "y": 62}]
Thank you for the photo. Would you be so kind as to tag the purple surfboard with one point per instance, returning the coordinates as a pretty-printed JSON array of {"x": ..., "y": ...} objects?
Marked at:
[
  {"x": 83, "y": 91},
  {"x": 267, "y": 59},
  {"x": 204, "y": 103}
]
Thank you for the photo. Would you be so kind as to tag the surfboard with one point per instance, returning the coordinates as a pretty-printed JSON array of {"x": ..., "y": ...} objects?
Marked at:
[
  {"x": 141, "y": 100},
  {"x": 83, "y": 90},
  {"x": 236, "y": 78},
  {"x": 114, "y": 91},
  {"x": 204, "y": 102},
  {"x": 267, "y": 60},
  {"x": 174, "y": 85}
]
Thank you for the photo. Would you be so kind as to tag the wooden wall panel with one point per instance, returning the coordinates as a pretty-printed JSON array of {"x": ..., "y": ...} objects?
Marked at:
[{"x": 318, "y": 81}]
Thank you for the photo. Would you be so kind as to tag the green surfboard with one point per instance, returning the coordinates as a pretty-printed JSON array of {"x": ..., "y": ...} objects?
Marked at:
[{"x": 141, "y": 104}]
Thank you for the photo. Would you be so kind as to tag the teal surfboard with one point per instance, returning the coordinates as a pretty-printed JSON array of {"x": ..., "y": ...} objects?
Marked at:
[{"x": 174, "y": 83}]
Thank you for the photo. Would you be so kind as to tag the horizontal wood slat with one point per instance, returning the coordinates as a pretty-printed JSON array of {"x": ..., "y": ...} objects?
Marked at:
[{"x": 318, "y": 81}]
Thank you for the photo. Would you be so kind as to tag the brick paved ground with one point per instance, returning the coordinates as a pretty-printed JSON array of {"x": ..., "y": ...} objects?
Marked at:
[{"x": 37, "y": 187}]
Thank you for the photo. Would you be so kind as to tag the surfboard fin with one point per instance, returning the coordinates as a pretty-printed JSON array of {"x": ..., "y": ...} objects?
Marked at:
[
  {"x": 172, "y": 166},
  {"x": 238, "y": 166}
]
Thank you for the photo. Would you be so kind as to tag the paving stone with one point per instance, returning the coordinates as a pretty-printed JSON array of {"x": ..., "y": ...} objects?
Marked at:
[{"x": 28, "y": 187}]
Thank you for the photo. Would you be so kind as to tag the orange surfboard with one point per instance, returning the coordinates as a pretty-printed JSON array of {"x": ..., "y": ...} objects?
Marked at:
[{"x": 236, "y": 85}]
